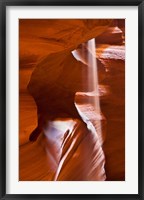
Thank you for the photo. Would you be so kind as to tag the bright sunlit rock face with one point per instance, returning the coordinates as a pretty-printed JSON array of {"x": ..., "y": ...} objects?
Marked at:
[
  {"x": 74, "y": 151},
  {"x": 75, "y": 100}
]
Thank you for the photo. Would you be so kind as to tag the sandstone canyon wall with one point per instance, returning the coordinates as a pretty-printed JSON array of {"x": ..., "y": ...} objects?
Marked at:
[{"x": 50, "y": 43}]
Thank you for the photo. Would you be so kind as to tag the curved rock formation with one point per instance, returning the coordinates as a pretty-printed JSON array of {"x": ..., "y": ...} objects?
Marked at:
[{"x": 69, "y": 142}]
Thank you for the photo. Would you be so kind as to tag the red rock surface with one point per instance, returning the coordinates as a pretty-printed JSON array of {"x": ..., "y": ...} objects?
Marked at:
[
  {"x": 37, "y": 159},
  {"x": 113, "y": 107}
]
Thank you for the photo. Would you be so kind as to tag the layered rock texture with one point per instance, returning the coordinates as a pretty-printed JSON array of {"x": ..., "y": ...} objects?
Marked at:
[{"x": 61, "y": 135}]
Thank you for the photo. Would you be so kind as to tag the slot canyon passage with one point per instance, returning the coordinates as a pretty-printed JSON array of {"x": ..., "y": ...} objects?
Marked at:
[{"x": 71, "y": 99}]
